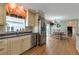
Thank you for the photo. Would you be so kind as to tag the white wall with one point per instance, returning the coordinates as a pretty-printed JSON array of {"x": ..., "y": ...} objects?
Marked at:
[
  {"x": 77, "y": 36},
  {"x": 47, "y": 29},
  {"x": 63, "y": 27}
]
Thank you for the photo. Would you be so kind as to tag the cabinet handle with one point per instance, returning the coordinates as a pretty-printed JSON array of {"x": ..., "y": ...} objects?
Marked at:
[{"x": 1, "y": 49}]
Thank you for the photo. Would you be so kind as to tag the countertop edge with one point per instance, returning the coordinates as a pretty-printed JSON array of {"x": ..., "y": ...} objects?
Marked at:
[{"x": 11, "y": 35}]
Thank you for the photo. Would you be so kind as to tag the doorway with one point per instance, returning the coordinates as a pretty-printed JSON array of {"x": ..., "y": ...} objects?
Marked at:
[{"x": 69, "y": 31}]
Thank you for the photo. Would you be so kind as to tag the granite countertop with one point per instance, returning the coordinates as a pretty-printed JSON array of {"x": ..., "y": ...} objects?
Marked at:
[{"x": 14, "y": 34}]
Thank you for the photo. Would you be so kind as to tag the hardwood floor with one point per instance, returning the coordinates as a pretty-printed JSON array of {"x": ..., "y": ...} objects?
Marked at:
[{"x": 55, "y": 47}]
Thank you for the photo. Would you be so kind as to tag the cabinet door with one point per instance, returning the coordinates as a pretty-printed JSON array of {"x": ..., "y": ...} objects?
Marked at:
[
  {"x": 15, "y": 46},
  {"x": 3, "y": 47},
  {"x": 26, "y": 43},
  {"x": 9, "y": 46},
  {"x": 31, "y": 18},
  {"x": 28, "y": 39},
  {"x": 2, "y": 14}
]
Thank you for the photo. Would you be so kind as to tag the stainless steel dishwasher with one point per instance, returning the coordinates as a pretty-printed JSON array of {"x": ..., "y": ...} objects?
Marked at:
[{"x": 34, "y": 40}]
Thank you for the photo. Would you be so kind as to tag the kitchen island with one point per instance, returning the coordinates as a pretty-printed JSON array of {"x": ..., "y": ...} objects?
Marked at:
[{"x": 15, "y": 43}]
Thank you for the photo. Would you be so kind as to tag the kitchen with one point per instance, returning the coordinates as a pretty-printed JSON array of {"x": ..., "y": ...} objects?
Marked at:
[
  {"x": 26, "y": 30},
  {"x": 20, "y": 29}
]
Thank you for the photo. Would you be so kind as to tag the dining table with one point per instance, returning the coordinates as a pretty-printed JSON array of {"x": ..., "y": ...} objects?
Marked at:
[{"x": 61, "y": 35}]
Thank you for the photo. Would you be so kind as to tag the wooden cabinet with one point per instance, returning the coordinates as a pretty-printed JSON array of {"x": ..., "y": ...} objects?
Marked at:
[
  {"x": 3, "y": 47},
  {"x": 26, "y": 42},
  {"x": 31, "y": 18},
  {"x": 9, "y": 46},
  {"x": 2, "y": 14},
  {"x": 16, "y": 46}
]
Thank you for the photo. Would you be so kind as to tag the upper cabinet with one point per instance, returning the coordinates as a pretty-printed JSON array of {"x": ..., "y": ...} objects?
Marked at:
[
  {"x": 2, "y": 14},
  {"x": 17, "y": 11},
  {"x": 31, "y": 18}
]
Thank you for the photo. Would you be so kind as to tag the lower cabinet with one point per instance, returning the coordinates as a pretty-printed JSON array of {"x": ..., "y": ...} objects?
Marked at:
[
  {"x": 18, "y": 45},
  {"x": 9, "y": 46},
  {"x": 3, "y": 47},
  {"x": 15, "y": 45},
  {"x": 26, "y": 42}
]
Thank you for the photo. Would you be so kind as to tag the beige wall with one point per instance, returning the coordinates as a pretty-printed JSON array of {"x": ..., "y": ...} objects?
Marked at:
[{"x": 72, "y": 23}]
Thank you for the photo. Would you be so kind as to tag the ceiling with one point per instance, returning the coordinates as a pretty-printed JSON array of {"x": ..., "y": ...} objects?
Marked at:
[{"x": 55, "y": 10}]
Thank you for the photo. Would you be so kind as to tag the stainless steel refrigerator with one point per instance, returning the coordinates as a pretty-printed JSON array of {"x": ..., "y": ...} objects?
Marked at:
[{"x": 41, "y": 31}]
